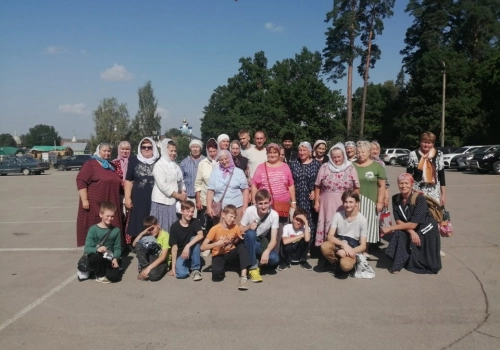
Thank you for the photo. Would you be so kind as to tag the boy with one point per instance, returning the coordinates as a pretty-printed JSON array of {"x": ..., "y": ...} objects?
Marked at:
[
  {"x": 222, "y": 240},
  {"x": 151, "y": 248},
  {"x": 296, "y": 238},
  {"x": 255, "y": 225},
  {"x": 103, "y": 259},
  {"x": 185, "y": 237}
]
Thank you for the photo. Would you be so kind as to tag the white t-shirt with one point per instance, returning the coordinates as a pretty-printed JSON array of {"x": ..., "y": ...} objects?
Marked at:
[
  {"x": 250, "y": 216},
  {"x": 255, "y": 157},
  {"x": 355, "y": 229},
  {"x": 289, "y": 231}
]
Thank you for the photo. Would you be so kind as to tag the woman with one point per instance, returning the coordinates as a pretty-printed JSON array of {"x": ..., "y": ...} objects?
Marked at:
[
  {"x": 375, "y": 154},
  {"x": 168, "y": 187},
  {"x": 189, "y": 168},
  {"x": 372, "y": 182},
  {"x": 276, "y": 177},
  {"x": 227, "y": 175},
  {"x": 223, "y": 142},
  {"x": 334, "y": 178},
  {"x": 350, "y": 150},
  {"x": 415, "y": 242},
  {"x": 239, "y": 161},
  {"x": 97, "y": 182},
  {"x": 304, "y": 171},
  {"x": 139, "y": 182},
  {"x": 121, "y": 164},
  {"x": 319, "y": 151},
  {"x": 282, "y": 154}
]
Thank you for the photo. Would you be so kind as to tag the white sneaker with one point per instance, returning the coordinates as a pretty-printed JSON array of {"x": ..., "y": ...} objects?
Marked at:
[
  {"x": 197, "y": 275},
  {"x": 205, "y": 253},
  {"x": 102, "y": 280},
  {"x": 441, "y": 253}
]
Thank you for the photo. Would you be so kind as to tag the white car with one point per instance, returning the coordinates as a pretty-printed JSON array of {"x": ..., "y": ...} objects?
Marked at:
[
  {"x": 390, "y": 155},
  {"x": 449, "y": 156}
]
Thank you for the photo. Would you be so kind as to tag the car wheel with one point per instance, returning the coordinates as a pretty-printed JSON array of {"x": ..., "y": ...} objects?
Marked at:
[
  {"x": 482, "y": 171},
  {"x": 61, "y": 168},
  {"x": 392, "y": 161},
  {"x": 26, "y": 172},
  {"x": 496, "y": 168}
]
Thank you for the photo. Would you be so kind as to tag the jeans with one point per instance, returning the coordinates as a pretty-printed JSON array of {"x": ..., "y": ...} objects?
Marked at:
[
  {"x": 254, "y": 249},
  {"x": 182, "y": 265},
  {"x": 145, "y": 258}
]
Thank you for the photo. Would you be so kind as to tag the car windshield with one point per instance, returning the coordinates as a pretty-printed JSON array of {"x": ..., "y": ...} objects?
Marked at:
[{"x": 462, "y": 150}]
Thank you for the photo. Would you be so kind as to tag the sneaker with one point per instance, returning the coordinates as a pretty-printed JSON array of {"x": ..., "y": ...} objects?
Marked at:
[
  {"x": 205, "y": 253},
  {"x": 441, "y": 253},
  {"x": 197, "y": 275},
  {"x": 305, "y": 265},
  {"x": 283, "y": 265},
  {"x": 255, "y": 276},
  {"x": 102, "y": 280},
  {"x": 242, "y": 284}
]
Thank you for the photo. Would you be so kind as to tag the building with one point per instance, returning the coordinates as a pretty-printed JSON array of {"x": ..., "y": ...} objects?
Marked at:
[
  {"x": 50, "y": 153},
  {"x": 77, "y": 147},
  {"x": 9, "y": 152}
]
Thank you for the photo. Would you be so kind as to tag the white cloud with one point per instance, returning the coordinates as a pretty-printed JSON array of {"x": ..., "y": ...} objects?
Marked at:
[
  {"x": 77, "y": 108},
  {"x": 55, "y": 50},
  {"x": 273, "y": 28},
  {"x": 116, "y": 73},
  {"x": 162, "y": 111}
]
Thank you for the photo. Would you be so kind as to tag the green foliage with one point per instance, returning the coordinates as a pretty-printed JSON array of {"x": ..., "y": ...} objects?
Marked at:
[
  {"x": 41, "y": 135},
  {"x": 173, "y": 132},
  {"x": 182, "y": 147},
  {"x": 7, "y": 140},
  {"x": 111, "y": 123},
  {"x": 147, "y": 121}
]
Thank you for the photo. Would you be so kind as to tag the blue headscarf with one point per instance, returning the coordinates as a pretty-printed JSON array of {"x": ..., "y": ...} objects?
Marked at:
[{"x": 105, "y": 164}]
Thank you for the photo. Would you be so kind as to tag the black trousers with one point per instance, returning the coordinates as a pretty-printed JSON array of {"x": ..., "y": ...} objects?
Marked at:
[
  {"x": 238, "y": 254},
  {"x": 145, "y": 259},
  {"x": 294, "y": 251},
  {"x": 102, "y": 267}
]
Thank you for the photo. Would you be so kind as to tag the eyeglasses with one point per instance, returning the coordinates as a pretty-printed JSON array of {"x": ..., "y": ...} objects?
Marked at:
[{"x": 147, "y": 148}]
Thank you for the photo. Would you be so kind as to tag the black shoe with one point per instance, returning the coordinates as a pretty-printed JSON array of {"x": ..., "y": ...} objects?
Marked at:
[
  {"x": 283, "y": 265},
  {"x": 305, "y": 265}
]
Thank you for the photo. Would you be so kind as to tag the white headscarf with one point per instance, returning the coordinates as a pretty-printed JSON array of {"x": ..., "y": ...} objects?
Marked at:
[
  {"x": 165, "y": 157},
  {"x": 143, "y": 159},
  {"x": 338, "y": 168},
  {"x": 213, "y": 161},
  {"x": 222, "y": 137}
]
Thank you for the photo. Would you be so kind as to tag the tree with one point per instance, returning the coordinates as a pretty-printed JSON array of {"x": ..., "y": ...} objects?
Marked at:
[
  {"x": 147, "y": 121},
  {"x": 341, "y": 49},
  {"x": 111, "y": 121},
  {"x": 173, "y": 132},
  {"x": 41, "y": 135},
  {"x": 7, "y": 140}
]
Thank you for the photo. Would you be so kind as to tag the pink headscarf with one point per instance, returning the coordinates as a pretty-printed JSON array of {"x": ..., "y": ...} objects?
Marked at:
[
  {"x": 229, "y": 169},
  {"x": 123, "y": 161},
  {"x": 406, "y": 176}
]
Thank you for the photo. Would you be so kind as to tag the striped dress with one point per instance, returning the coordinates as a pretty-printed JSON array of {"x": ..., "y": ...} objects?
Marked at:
[{"x": 368, "y": 179}]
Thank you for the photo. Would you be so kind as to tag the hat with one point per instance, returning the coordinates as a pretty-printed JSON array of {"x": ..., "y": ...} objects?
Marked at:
[
  {"x": 222, "y": 137},
  {"x": 306, "y": 145},
  {"x": 196, "y": 142},
  {"x": 288, "y": 136}
]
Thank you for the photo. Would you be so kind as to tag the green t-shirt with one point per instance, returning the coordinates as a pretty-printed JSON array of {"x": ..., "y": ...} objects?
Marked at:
[
  {"x": 113, "y": 243},
  {"x": 368, "y": 179},
  {"x": 162, "y": 239}
]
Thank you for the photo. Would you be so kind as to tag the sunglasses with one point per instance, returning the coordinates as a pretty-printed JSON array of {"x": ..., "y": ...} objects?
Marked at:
[{"x": 147, "y": 147}]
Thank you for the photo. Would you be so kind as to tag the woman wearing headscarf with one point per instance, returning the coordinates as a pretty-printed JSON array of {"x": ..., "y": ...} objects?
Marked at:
[
  {"x": 319, "y": 151},
  {"x": 139, "y": 183},
  {"x": 97, "y": 182},
  {"x": 189, "y": 167},
  {"x": 169, "y": 186},
  {"x": 238, "y": 159},
  {"x": 304, "y": 171},
  {"x": 201, "y": 183},
  {"x": 223, "y": 142},
  {"x": 227, "y": 175},
  {"x": 334, "y": 178},
  {"x": 121, "y": 164},
  {"x": 415, "y": 241},
  {"x": 350, "y": 150}
]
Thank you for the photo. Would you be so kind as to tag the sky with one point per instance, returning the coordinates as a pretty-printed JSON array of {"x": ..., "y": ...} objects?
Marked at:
[{"x": 58, "y": 59}]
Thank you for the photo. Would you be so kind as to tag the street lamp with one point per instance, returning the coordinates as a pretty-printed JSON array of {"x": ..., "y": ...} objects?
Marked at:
[{"x": 443, "y": 104}]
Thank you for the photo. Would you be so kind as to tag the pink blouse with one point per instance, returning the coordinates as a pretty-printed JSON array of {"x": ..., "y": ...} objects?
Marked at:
[{"x": 280, "y": 178}]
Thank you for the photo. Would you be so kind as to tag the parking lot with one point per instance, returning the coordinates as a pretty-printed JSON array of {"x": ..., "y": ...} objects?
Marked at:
[{"x": 43, "y": 306}]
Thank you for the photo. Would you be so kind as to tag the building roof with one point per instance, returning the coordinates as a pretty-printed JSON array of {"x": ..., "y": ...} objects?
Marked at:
[
  {"x": 10, "y": 151},
  {"x": 48, "y": 148},
  {"x": 76, "y": 146}
]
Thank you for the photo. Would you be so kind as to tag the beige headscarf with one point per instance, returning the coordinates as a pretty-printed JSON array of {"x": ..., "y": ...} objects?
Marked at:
[{"x": 427, "y": 166}]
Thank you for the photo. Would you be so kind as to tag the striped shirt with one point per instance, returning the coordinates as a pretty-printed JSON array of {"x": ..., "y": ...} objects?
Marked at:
[{"x": 189, "y": 168}]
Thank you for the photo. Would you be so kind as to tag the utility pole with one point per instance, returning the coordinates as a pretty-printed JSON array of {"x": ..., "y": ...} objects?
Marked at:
[{"x": 443, "y": 104}]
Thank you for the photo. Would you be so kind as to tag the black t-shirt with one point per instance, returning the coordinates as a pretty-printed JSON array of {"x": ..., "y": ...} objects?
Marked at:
[{"x": 180, "y": 235}]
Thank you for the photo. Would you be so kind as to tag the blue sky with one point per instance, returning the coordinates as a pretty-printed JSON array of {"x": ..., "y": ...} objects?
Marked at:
[{"x": 58, "y": 59}]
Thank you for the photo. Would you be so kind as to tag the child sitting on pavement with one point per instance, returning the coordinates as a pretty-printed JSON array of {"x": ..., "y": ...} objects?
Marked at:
[
  {"x": 151, "y": 247},
  {"x": 295, "y": 242},
  {"x": 223, "y": 239}
]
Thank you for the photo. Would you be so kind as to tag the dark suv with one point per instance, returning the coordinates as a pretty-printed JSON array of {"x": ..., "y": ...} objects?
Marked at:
[
  {"x": 487, "y": 161},
  {"x": 73, "y": 162}
]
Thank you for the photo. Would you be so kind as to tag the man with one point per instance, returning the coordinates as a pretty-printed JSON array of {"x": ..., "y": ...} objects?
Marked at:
[
  {"x": 258, "y": 154},
  {"x": 245, "y": 145},
  {"x": 287, "y": 142}
]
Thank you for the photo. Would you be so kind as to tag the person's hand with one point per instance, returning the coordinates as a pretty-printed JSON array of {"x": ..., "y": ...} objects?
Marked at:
[
  {"x": 222, "y": 242},
  {"x": 128, "y": 203},
  {"x": 144, "y": 273},
  {"x": 264, "y": 259},
  {"x": 311, "y": 195},
  {"x": 316, "y": 206},
  {"x": 182, "y": 196},
  {"x": 340, "y": 253},
  {"x": 114, "y": 263},
  {"x": 293, "y": 205},
  {"x": 171, "y": 272},
  {"x": 209, "y": 211},
  {"x": 386, "y": 230},
  {"x": 443, "y": 199},
  {"x": 85, "y": 204},
  {"x": 253, "y": 226},
  {"x": 349, "y": 251},
  {"x": 380, "y": 207},
  {"x": 199, "y": 206},
  {"x": 386, "y": 202},
  {"x": 102, "y": 249},
  {"x": 415, "y": 239},
  {"x": 185, "y": 253},
  {"x": 302, "y": 218},
  {"x": 290, "y": 213}
]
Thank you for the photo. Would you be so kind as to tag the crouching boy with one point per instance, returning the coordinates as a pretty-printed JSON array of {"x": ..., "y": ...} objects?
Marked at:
[
  {"x": 224, "y": 241},
  {"x": 295, "y": 242},
  {"x": 103, "y": 246},
  {"x": 185, "y": 237},
  {"x": 151, "y": 248}
]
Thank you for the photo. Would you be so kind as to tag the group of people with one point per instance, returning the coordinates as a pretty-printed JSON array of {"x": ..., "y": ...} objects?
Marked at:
[{"x": 262, "y": 206}]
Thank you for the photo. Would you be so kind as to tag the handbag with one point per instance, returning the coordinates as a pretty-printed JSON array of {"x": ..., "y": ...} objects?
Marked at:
[
  {"x": 384, "y": 220},
  {"x": 445, "y": 227},
  {"x": 217, "y": 206},
  {"x": 83, "y": 263},
  {"x": 282, "y": 208}
]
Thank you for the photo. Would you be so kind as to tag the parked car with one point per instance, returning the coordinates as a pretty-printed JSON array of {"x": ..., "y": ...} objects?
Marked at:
[
  {"x": 23, "y": 165},
  {"x": 462, "y": 161},
  {"x": 403, "y": 160},
  {"x": 462, "y": 150},
  {"x": 484, "y": 162},
  {"x": 448, "y": 149},
  {"x": 390, "y": 155},
  {"x": 72, "y": 162}
]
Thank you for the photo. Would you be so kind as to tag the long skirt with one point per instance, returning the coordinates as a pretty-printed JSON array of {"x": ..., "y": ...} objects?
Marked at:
[
  {"x": 166, "y": 215},
  {"x": 368, "y": 208}
]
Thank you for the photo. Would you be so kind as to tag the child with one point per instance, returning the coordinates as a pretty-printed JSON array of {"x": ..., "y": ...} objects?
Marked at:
[
  {"x": 222, "y": 240},
  {"x": 296, "y": 238},
  {"x": 185, "y": 237},
  {"x": 151, "y": 248},
  {"x": 103, "y": 260}
]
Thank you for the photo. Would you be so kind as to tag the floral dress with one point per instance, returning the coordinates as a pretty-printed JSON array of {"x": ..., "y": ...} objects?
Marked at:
[{"x": 332, "y": 185}]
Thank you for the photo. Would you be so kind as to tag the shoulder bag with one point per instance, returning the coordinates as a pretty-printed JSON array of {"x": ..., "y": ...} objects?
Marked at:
[
  {"x": 83, "y": 263},
  {"x": 217, "y": 206},
  {"x": 283, "y": 208}
]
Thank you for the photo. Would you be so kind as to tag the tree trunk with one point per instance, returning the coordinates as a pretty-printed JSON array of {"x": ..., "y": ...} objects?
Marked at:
[
  {"x": 365, "y": 80},
  {"x": 349, "y": 99}
]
